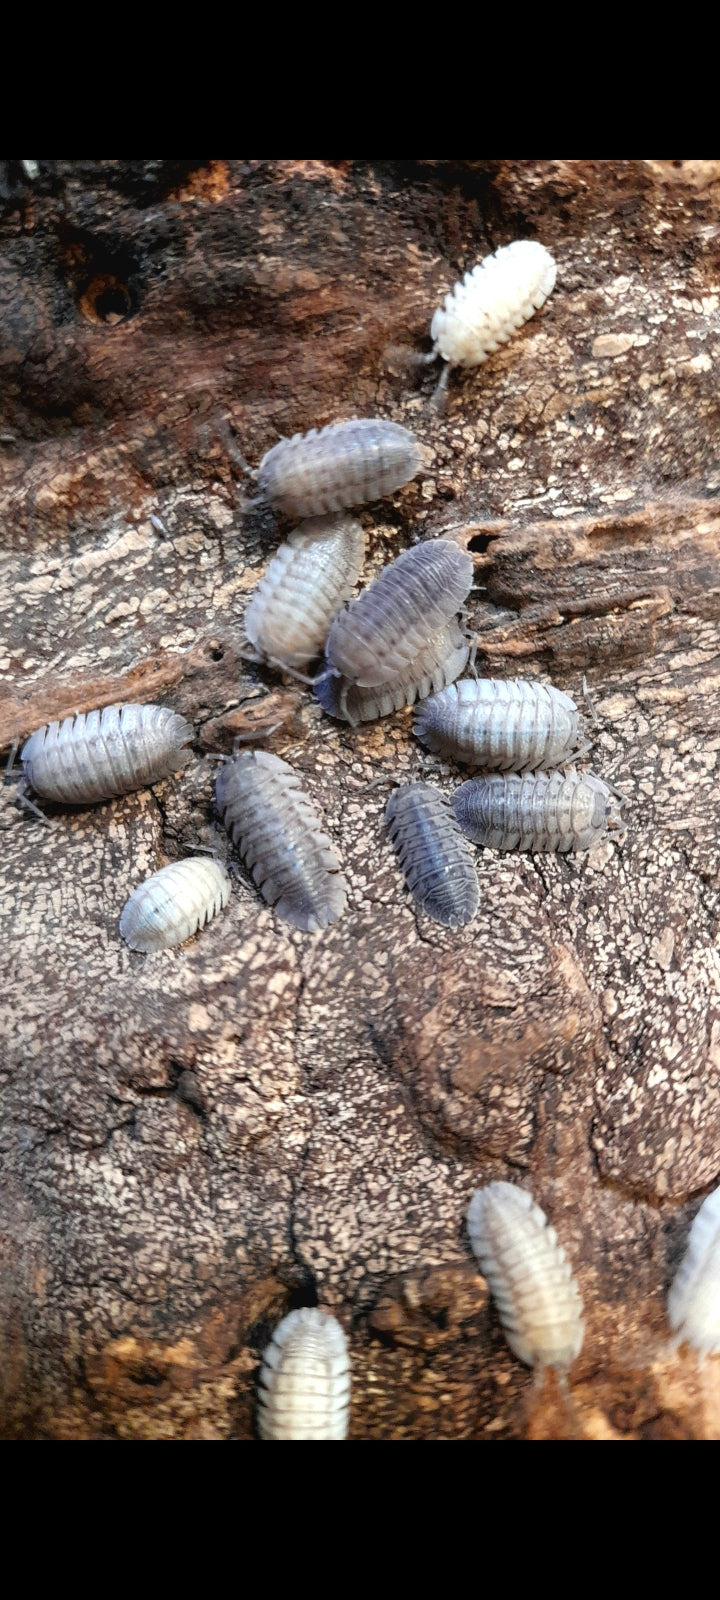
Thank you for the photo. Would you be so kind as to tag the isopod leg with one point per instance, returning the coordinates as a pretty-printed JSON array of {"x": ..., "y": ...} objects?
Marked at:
[
  {"x": 21, "y": 799},
  {"x": 589, "y": 701},
  {"x": 438, "y": 398},
  {"x": 9, "y": 770}
]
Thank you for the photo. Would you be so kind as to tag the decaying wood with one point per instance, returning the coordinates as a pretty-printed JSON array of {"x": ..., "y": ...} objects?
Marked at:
[{"x": 193, "y": 1143}]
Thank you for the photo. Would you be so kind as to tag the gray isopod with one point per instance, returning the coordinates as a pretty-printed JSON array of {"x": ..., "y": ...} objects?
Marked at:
[
  {"x": 442, "y": 660},
  {"x": 379, "y": 635},
  {"x": 438, "y": 866},
  {"x": 560, "y": 811},
  {"x": 279, "y": 835},
  {"x": 694, "y": 1298},
  {"x": 529, "y": 1275},
  {"x": 507, "y": 724},
  {"x": 99, "y": 754},
  {"x": 306, "y": 583},
  {"x": 305, "y": 1379},
  {"x": 174, "y": 903},
  {"x": 345, "y": 464}
]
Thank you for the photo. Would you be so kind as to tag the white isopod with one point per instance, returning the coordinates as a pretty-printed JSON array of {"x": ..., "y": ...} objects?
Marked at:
[
  {"x": 694, "y": 1298},
  {"x": 505, "y": 723},
  {"x": 492, "y": 301},
  {"x": 529, "y": 1275},
  {"x": 100, "y": 754},
  {"x": 174, "y": 903},
  {"x": 305, "y": 1379},
  {"x": 307, "y": 582}
]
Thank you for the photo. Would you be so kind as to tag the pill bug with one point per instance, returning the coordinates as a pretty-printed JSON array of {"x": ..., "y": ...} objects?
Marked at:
[
  {"x": 345, "y": 464},
  {"x": 492, "y": 301},
  {"x": 560, "y": 811},
  {"x": 99, "y": 754},
  {"x": 694, "y": 1298},
  {"x": 305, "y": 1379},
  {"x": 280, "y": 838},
  {"x": 437, "y": 864},
  {"x": 442, "y": 660},
  {"x": 529, "y": 1275},
  {"x": 174, "y": 903},
  {"x": 307, "y": 582},
  {"x": 507, "y": 724},
  {"x": 380, "y": 634}
]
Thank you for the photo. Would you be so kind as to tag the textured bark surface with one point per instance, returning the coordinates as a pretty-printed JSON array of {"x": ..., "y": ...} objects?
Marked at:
[{"x": 196, "y": 1141}]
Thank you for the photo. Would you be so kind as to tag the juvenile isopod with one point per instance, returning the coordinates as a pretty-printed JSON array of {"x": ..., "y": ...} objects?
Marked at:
[
  {"x": 437, "y": 864},
  {"x": 345, "y": 464},
  {"x": 379, "y": 635},
  {"x": 560, "y": 811},
  {"x": 307, "y": 582},
  {"x": 171, "y": 905},
  {"x": 305, "y": 1379},
  {"x": 491, "y": 302},
  {"x": 529, "y": 1276},
  {"x": 100, "y": 754},
  {"x": 507, "y": 724},
  {"x": 694, "y": 1298},
  {"x": 442, "y": 660},
  {"x": 279, "y": 835}
]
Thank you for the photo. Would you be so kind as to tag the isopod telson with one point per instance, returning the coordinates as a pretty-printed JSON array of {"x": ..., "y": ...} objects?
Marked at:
[
  {"x": 307, "y": 582},
  {"x": 492, "y": 301},
  {"x": 506, "y": 724},
  {"x": 100, "y": 754},
  {"x": 279, "y": 835},
  {"x": 560, "y": 811},
  {"x": 694, "y": 1297},
  {"x": 432, "y": 852},
  {"x": 529, "y": 1275},
  {"x": 442, "y": 660},
  {"x": 174, "y": 903},
  {"x": 379, "y": 635},
  {"x": 345, "y": 464},
  {"x": 305, "y": 1379}
]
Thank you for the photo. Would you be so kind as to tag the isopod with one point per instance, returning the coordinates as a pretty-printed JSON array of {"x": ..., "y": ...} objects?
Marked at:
[
  {"x": 280, "y": 838},
  {"x": 437, "y": 864},
  {"x": 492, "y": 301},
  {"x": 379, "y": 635},
  {"x": 345, "y": 464},
  {"x": 171, "y": 905},
  {"x": 560, "y": 811},
  {"x": 529, "y": 1275},
  {"x": 507, "y": 724},
  {"x": 694, "y": 1298},
  {"x": 99, "y": 754},
  {"x": 442, "y": 660},
  {"x": 307, "y": 582},
  {"x": 305, "y": 1379}
]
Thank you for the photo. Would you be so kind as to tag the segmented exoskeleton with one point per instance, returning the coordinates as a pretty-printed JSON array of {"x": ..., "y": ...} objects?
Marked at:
[
  {"x": 345, "y": 464},
  {"x": 507, "y": 724},
  {"x": 174, "y": 903},
  {"x": 529, "y": 1275},
  {"x": 305, "y": 1379},
  {"x": 438, "y": 866},
  {"x": 560, "y": 811}
]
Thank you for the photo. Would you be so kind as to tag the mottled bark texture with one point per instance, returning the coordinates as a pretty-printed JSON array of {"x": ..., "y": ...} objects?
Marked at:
[{"x": 193, "y": 1143}]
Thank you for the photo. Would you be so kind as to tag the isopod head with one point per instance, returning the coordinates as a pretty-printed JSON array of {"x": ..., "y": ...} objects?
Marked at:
[{"x": 305, "y": 1379}]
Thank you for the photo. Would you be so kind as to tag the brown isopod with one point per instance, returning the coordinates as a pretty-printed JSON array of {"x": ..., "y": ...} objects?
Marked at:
[
  {"x": 310, "y": 577},
  {"x": 279, "y": 835},
  {"x": 345, "y": 464},
  {"x": 443, "y": 659},
  {"x": 378, "y": 637}
]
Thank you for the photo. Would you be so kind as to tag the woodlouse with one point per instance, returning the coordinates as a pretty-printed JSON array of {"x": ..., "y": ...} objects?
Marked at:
[
  {"x": 345, "y": 464},
  {"x": 507, "y": 724},
  {"x": 99, "y": 754},
  {"x": 492, "y": 301},
  {"x": 529, "y": 1275},
  {"x": 437, "y": 864},
  {"x": 379, "y": 635},
  {"x": 280, "y": 838},
  {"x": 307, "y": 582},
  {"x": 694, "y": 1298},
  {"x": 560, "y": 811},
  {"x": 442, "y": 660},
  {"x": 305, "y": 1379},
  {"x": 174, "y": 903}
]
